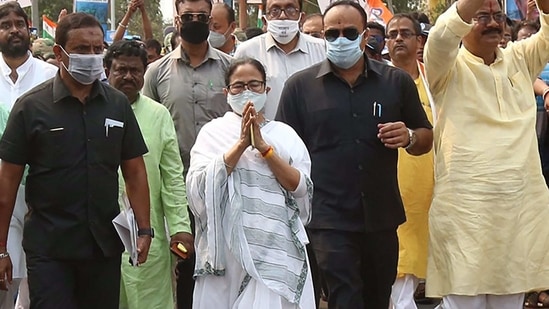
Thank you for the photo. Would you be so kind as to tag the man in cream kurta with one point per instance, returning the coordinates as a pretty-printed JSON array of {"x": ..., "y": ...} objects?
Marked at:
[{"x": 488, "y": 220}]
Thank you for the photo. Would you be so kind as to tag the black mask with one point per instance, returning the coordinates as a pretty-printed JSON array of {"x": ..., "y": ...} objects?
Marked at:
[{"x": 195, "y": 32}]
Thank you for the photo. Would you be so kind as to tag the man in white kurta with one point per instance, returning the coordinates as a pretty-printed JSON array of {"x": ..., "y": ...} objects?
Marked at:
[{"x": 488, "y": 220}]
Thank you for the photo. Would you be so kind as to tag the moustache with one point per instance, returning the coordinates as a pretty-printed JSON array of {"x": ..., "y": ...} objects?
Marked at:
[{"x": 492, "y": 30}]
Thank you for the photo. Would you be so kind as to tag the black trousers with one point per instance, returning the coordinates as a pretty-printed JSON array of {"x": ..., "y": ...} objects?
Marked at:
[
  {"x": 359, "y": 268},
  {"x": 185, "y": 281},
  {"x": 73, "y": 283}
]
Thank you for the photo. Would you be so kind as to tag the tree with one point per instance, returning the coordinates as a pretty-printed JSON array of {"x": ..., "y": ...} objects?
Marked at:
[{"x": 135, "y": 26}]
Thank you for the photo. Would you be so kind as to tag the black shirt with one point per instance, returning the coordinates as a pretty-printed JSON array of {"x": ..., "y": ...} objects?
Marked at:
[
  {"x": 354, "y": 174},
  {"x": 73, "y": 151}
]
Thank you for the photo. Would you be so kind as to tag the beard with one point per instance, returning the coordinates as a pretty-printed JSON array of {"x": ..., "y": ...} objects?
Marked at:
[{"x": 15, "y": 50}]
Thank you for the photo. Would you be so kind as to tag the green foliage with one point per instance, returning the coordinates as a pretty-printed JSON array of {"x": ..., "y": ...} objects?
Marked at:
[{"x": 406, "y": 6}]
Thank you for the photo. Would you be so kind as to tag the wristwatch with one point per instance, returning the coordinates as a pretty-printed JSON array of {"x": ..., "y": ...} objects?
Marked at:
[
  {"x": 146, "y": 232},
  {"x": 412, "y": 136}
]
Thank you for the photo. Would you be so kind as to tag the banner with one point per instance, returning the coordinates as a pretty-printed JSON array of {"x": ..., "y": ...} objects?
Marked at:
[
  {"x": 97, "y": 8},
  {"x": 22, "y": 3},
  {"x": 48, "y": 28},
  {"x": 375, "y": 9}
]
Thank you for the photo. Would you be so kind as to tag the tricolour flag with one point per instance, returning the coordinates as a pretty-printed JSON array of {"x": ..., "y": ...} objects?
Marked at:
[
  {"x": 259, "y": 15},
  {"x": 48, "y": 28}
]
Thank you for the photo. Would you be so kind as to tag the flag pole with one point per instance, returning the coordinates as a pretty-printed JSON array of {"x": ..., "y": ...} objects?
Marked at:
[{"x": 36, "y": 21}]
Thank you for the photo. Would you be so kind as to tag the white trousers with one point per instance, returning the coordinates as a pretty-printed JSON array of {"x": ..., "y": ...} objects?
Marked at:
[
  {"x": 7, "y": 298},
  {"x": 402, "y": 295},
  {"x": 23, "y": 298},
  {"x": 512, "y": 301}
]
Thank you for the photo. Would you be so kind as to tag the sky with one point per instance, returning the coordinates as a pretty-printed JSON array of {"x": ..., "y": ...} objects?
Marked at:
[{"x": 166, "y": 6}]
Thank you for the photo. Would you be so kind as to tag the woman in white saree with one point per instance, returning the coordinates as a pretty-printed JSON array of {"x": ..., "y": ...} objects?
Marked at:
[{"x": 250, "y": 191}]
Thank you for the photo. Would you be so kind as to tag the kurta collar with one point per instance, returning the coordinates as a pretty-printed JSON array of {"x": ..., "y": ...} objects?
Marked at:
[
  {"x": 21, "y": 70},
  {"x": 473, "y": 58},
  {"x": 301, "y": 44}
]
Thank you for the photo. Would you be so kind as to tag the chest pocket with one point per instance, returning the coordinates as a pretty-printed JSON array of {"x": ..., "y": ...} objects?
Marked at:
[
  {"x": 518, "y": 83},
  {"x": 53, "y": 151},
  {"x": 107, "y": 149}
]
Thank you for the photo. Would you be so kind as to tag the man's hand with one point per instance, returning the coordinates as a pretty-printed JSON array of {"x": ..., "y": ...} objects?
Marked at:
[
  {"x": 393, "y": 134},
  {"x": 5, "y": 273},
  {"x": 62, "y": 14},
  {"x": 186, "y": 239},
  {"x": 143, "y": 245}
]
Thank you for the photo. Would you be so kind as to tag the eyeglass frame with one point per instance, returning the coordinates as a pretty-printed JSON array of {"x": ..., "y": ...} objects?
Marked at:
[
  {"x": 491, "y": 17},
  {"x": 193, "y": 14},
  {"x": 342, "y": 32},
  {"x": 405, "y": 34},
  {"x": 294, "y": 15},
  {"x": 246, "y": 85}
]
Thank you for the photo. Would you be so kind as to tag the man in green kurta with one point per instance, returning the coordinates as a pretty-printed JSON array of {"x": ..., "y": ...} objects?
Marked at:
[{"x": 150, "y": 285}]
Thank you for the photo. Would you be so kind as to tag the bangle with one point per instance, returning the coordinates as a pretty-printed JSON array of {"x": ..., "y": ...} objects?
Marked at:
[
  {"x": 123, "y": 26},
  {"x": 4, "y": 255},
  {"x": 545, "y": 92},
  {"x": 269, "y": 153}
]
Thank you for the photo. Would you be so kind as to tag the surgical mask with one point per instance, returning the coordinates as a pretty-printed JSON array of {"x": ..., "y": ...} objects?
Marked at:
[
  {"x": 344, "y": 53},
  {"x": 84, "y": 68},
  {"x": 238, "y": 101},
  {"x": 283, "y": 31},
  {"x": 217, "y": 39}
]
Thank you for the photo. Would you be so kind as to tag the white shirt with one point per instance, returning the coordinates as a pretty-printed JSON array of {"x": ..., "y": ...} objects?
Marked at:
[
  {"x": 279, "y": 65},
  {"x": 30, "y": 74}
]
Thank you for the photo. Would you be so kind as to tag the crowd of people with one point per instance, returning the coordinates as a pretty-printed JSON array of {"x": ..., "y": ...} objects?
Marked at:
[{"x": 323, "y": 157}]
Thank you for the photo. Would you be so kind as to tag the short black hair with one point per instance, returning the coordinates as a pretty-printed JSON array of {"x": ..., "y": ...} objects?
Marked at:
[
  {"x": 177, "y": 2},
  {"x": 74, "y": 21},
  {"x": 377, "y": 26},
  {"x": 229, "y": 10},
  {"x": 125, "y": 48},
  {"x": 242, "y": 61},
  {"x": 253, "y": 32},
  {"x": 420, "y": 17},
  {"x": 311, "y": 16},
  {"x": 524, "y": 24},
  {"x": 355, "y": 5},
  {"x": 264, "y": 3},
  {"x": 14, "y": 7},
  {"x": 152, "y": 43},
  {"x": 415, "y": 22}
]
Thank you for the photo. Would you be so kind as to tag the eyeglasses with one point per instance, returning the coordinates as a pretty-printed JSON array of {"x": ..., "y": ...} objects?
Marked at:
[
  {"x": 405, "y": 34},
  {"x": 201, "y": 17},
  {"x": 485, "y": 19},
  {"x": 379, "y": 38},
  {"x": 253, "y": 85},
  {"x": 290, "y": 11},
  {"x": 350, "y": 33}
]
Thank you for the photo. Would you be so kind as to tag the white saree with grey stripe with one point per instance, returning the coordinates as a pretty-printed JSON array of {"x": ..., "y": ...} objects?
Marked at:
[{"x": 250, "y": 236}]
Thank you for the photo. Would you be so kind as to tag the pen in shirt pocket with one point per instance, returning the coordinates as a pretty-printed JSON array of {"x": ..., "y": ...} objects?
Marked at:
[
  {"x": 210, "y": 83},
  {"x": 377, "y": 109}
]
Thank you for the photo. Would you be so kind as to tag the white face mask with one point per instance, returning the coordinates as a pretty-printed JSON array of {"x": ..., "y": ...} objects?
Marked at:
[
  {"x": 283, "y": 31},
  {"x": 84, "y": 68},
  {"x": 217, "y": 39},
  {"x": 238, "y": 101}
]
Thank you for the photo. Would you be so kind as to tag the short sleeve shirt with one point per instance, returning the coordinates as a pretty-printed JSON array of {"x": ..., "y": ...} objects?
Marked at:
[
  {"x": 354, "y": 174},
  {"x": 73, "y": 151}
]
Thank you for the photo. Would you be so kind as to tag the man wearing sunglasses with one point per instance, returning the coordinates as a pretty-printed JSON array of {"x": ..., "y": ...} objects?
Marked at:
[
  {"x": 415, "y": 173},
  {"x": 283, "y": 50},
  {"x": 490, "y": 204},
  {"x": 354, "y": 114},
  {"x": 189, "y": 81}
]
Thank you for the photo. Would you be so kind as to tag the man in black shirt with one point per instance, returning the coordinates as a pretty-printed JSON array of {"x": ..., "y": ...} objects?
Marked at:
[
  {"x": 353, "y": 114},
  {"x": 74, "y": 133}
]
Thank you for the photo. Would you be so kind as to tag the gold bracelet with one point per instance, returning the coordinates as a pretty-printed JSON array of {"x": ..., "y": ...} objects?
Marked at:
[
  {"x": 123, "y": 26},
  {"x": 269, "y": 153}
]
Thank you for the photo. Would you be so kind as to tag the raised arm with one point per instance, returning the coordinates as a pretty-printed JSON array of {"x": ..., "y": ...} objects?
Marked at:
[
  {"x": 147, "y": 27},
  {"x": 123, "y": 25},
  {"x": 442, "y": 47}
]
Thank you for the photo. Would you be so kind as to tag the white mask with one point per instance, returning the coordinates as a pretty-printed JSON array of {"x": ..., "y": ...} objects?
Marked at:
[
  {"x": 217, "y": 39},
  {"x": 84, "y": 68},
  {"x": 283, "y": 31},
  {"x": 238, "y": 101}
]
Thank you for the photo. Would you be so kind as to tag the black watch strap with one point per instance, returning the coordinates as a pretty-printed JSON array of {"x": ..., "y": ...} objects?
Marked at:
[{"x": 146, "y": 232}]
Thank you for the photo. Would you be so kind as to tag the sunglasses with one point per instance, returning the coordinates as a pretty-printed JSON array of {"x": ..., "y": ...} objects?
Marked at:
[
  {"x": 350, "y": 33},
  {"x": 188, "y": 17}
]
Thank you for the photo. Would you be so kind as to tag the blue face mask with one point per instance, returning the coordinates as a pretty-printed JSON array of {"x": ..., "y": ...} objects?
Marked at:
[
  {"x": 238, "y": 101},
  {"x": 344, "y": 53}
]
